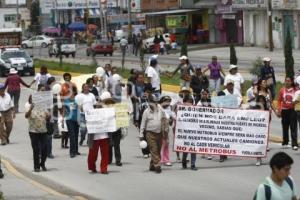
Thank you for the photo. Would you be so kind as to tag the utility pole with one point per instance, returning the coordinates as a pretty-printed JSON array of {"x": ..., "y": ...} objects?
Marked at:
[
  {"x": 129, "y": 22},
  {"x": 270, "y": 26},
  {"x": 102, "y": 23},
  {"x": 18, "y": 15}
]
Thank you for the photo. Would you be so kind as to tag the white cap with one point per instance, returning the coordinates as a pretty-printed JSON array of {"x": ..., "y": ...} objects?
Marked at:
[
  {"x": 232, "y": 67},
  {"x": 116, "y": 77},
  {"x": 105, "y": 95},
  {"x": 266, "y": 59},
  {"x": 13, "y": 71},
  {"x": 229, "y": 81},
  {"x": 183, "y": 58},
  {"x": 100, "y": 71}
]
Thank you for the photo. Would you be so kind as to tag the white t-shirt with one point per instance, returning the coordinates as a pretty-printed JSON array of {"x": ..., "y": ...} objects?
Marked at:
[
  {"x": 162, "y": 44},
  {"x": 41, "y": 79},
  {"x": 277, "y": 192},
  {"x": 237, "y": 78},
  {"x": 123, "y": 42},
  {"x": 6, "y": 102},
  {"x": 154, "y": 76},
  {"x": 87, "y": 101},
  {"x": 297, "y": 80}
]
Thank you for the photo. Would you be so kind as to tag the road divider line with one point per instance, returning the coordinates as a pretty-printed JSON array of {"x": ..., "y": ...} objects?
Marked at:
[{"x": 45, "y": 188}]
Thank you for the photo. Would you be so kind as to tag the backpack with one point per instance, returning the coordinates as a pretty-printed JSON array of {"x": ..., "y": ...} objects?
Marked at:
[{"x": 268, "y": 192}]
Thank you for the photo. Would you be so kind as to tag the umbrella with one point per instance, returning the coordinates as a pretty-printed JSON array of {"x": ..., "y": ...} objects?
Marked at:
[
  {"x": 77, "y": 26},
  {"x": 51, "y": 30},
  {"x": 92, "y": 27}
]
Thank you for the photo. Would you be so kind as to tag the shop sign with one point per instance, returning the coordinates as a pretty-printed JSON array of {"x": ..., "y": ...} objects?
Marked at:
[
  {"x": 284, "y": 4},
  {"x": 223, "y": 9},
  {"x": 46, "y": 6},
  {"x": 249, "y": 3},
  {"x": 228, "y": 16},
  {"x": 176, "y": 21},
  {"x": 75, "y": 4}
]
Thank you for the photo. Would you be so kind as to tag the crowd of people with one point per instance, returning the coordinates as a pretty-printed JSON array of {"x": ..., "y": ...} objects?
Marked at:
[{"x": 153, "y": 114}]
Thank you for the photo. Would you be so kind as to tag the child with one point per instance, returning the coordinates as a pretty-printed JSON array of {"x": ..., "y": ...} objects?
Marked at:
[{"x": 64, "y": 133}]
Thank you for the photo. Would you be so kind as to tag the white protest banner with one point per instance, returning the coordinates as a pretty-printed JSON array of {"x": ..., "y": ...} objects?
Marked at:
[
  {"x": 228, "y": 101},
  {"x": 43, "y": 99},
  {"x": 122, "y": 116},
  {"x": 101, "y": 120},
  {"x": 221, "y": 131}
]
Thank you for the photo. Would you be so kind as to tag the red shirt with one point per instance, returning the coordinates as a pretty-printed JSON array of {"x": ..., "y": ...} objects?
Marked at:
[
  {"x": 285, "y": 98},
  {"x": 13, "y": 82}
]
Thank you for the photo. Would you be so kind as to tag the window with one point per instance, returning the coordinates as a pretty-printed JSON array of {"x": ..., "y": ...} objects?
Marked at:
[{"x": 10, "y": 18}]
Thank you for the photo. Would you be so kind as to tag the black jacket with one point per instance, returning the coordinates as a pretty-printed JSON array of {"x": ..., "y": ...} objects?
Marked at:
[{"x": 197, "y": 84}]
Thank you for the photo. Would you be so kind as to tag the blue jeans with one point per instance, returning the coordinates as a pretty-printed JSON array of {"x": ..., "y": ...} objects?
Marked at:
[
  {"x": 73, "y": 129},
  {"x": 193, "y": 158}
]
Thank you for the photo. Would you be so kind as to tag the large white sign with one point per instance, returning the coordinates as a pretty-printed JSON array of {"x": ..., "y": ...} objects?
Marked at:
[
  {"x": 101, "y": 120},
  {"x": 249, "y": 4},
  {"x": 221, "y": 131},
  {"x": 75, "y": 4},
  {"x": 43, "y": 99}
]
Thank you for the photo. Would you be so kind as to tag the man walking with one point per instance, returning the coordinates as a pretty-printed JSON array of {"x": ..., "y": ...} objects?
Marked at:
[
  {"x": 267, "y": 73},
  {"x": 280, "y": 185},
  {"x": 7, "y": 115}
]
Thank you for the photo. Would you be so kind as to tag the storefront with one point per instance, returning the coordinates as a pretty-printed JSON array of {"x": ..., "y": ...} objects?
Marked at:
[
  {"x": 229, "y": 24},
  {"x": 194, "y": 23},
  {"x": 284, "y": 17},
  {"x": 255, "y": 21}
]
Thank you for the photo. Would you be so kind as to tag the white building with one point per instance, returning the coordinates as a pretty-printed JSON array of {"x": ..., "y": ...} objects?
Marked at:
[{"x": 8, "y": 14}]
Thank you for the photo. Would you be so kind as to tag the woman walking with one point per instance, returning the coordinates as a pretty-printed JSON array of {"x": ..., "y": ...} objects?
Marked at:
[{"x": 37, "y": 118}]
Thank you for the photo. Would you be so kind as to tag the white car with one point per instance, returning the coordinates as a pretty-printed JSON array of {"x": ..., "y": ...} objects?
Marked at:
[
  {"x": 149, "y": 41},
  {"x": 37, "y": 41}
]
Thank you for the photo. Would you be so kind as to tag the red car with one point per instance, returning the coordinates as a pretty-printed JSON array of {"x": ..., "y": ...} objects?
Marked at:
[{"x": 103, "y": 47}]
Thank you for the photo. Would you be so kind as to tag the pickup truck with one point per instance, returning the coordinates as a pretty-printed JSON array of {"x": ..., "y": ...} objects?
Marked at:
[{"x": 66, "y": 47}]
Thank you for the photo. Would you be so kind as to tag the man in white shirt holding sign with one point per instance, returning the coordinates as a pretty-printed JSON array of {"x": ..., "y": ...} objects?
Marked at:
[{"x": 85, "y": 101}]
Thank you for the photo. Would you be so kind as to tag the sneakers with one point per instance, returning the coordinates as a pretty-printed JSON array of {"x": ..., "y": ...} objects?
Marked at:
[
  {"x": 146, "y": 156},
  {"x": 168, "y": 164},
  {"x": 193, "y": 167},
  {"x": 184, "y": 165},
  {"x": 178, "y": 160},
  {"x": 151, "y": 168},
  {"x": 44, "y": 168},
  {"x": 50, "y": 156},
  {"x": 119, "y": 164},
  {"x": 295, "y": 148}
]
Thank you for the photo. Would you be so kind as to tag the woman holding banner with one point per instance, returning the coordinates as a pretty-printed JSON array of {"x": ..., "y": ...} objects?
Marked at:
[{"x": 37, "y": 118}]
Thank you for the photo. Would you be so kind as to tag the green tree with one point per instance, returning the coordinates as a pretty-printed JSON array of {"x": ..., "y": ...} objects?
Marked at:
[
  {"x": 288, "y": 54},
  {"x": 184, "y": 50},
  {"x": 233, "y": 58},
  {"x": 256, "y": 65}
]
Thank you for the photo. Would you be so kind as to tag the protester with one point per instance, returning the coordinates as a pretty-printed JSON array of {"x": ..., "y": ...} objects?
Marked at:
[
  {"x": 279, "y": 185},
  {"x": 92, "y": 88},
  {"x": 267, "y": 73},
  {"x": 250, "y": 92},
  {"x": 13, "y": 84},
  {"x": 7, "y": 115},
  {"x": 100, "y": 141},
  {"x": 136, "y": 95},
  {"x": 144, "y": 104},
  {"x": 156, "y": 42},
  {"x": 170, "y": 116},
  {"x": 153, "y": 77},
  {"x": 98, "y": 83},
  {"x": 236, "y": 77},
  {"x": 205, "y": 101},
  {"x": 85, "y": 101},
  {"x": 37, "y": 117},
  {"x": 64, "y": 132},
  {"x": 186, "y": 72},
  {"x": 66, "y": 88},
  {"x": 152, "y": 124},
  {"x": 215, "y": 77},
  {"x": 41, "y": 77},
  {"x": 70, "y": 114},
  {"x": 115, "y": 87},
  {"x": 188, "y": 101},
  {"x": 199, "y": 82},
  {"x": 162, "y": 44},
  {"x": 286, "y": 110}
]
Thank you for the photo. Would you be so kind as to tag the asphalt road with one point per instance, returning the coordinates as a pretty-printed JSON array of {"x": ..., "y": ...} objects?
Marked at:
[{"x": 237, "y": 178}]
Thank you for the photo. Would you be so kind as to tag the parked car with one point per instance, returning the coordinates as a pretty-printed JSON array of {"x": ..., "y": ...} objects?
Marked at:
[
  {"x": 37, "y": 41},
  {"x": 16, "y": 58},
  {"x": 66, "y": 47},
  {"x": 102, "y": 47},
  {"x": 149, "y": 44}
]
